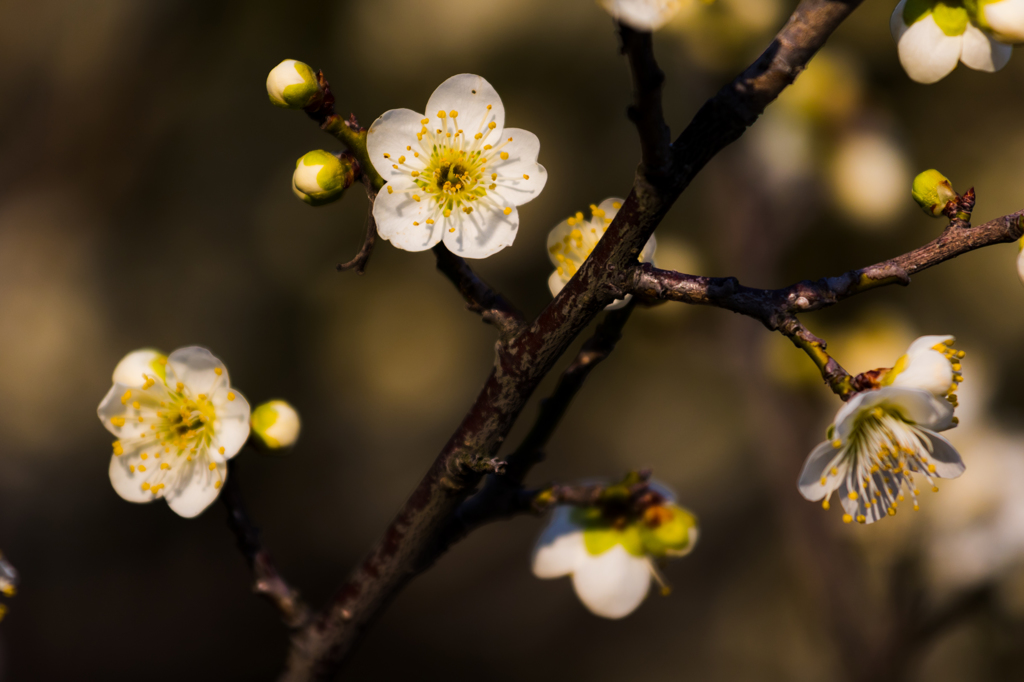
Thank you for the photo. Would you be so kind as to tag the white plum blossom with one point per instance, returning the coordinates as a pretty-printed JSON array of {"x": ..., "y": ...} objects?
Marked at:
[
  {"x": 931, "y": 37},
  {"x": 611, "y": 563},
  {"x": 573, "y": 240},
  {"x": 177, "y": 422},
  {"x": 455, "y": 173},
  {"x": 276, "y": 423},
  {"x": 881, "y": 439},
  {"x": 643, "y": 15}
]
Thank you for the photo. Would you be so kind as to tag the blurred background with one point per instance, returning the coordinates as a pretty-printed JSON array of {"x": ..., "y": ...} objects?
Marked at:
[{"x": 145, "y": 201}]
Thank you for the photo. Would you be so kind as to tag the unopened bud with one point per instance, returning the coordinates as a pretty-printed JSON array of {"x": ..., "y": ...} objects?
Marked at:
[
  {"x": 276, "y": 424},
  {"x": 321, "y": 177},
  {"x": 668, "y": 530},
  {"x": 293, "y": 85},
  {"x": 932, "y": 191}
]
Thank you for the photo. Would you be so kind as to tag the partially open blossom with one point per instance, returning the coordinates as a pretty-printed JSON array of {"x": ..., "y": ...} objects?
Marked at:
[
  {"x": 573, "y": 239},
  {"x": 931, "y": 37},
  {"x": 8, "y": 582},
  {"x": 932, "y": 191},
  {"x": 643, "y": 15},
  {"x": 177, "y": 422},
  {"x": 321, "y": 177},
  {"x": 293, "y": 85},
  {"x": 612, "y": 560},
  {"x": 456, "y": 173},
  {"x": 276, "y": 424},
  {"x": 881, "y": 439},
  {"x": 1004, "y": 19}
]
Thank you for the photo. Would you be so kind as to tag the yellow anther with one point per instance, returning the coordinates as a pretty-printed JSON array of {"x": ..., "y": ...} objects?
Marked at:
[
  {"x": 454, "y": 114},
  {"x": 892, "y": 511},
  {"x": 212, "y": 466},
  {"x": 508, "y": 210},
  {"x": 216, "y": 485},
  {"x": 145, "y": 486},
  {"x": 861, "y": 518},
  {"x": 401, "y": 159},
  {"x": 935, "y": 488},
  {"x": 504, "y": 156},
  {"x": 847, "y": 518},
  {"x": 149, "y": 382},
  {"x": 492, "y": 186},
  {"x": 135, "y": 404},
  {"x": 451, "y": 229},
  {"x": 117, "y": 421},
  {"x": 430, "y": 221},
  {"x": 231, "y": 396},
  {"x": 954, "y": 420},
  {"x": 492, "y": 125},
  {"x": 957, "y": 378},
  {"x": 386, "y": 155},
  {"x": 446, "y": 213},
  {"x": 415, "y": 174},
  {"x": 425, "y": 121},
  {"x": 118, "y": 449},
  {"x": 478, "y": 136},
  {"x": 221, "y": 449},
  {"x": 180, "y": 386},
  {"x": 131, "y": 468},
  {"x": 834, "y": 471},
  {"x": 415, "y": 197},
  {"x": 441, "y": 114},
  {"x": 143, "y": 456},
  {"x": 525, "y": 176},
  {"x": 853, "y": 495},
  {"x": 824, "y": 504},
  {"x": 836, "y": 444},
  {"x": 931, "y": 468},
  {"x": 486, "y": 147},
  {"x": 142, "y": 467},
  {"x": 127, "y": 395},
  {"x": 165, "y": 466}
]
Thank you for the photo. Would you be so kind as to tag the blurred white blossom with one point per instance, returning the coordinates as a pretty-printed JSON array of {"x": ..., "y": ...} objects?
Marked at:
[
  {"x": 643, "y": 15},
  {"x": 870, "y": 173}
]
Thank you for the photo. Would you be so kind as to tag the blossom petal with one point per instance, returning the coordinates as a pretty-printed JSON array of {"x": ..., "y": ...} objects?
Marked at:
[
  {"x": 927, "y": 54},
  {"x": 196, "y": 368},
  {"x": 929, "y": 370},
  {"x": 945, "y": 458},
  {"x": 196, "y": 487},
  {"x": 643, "y": 15},
  {"x": 133, "y": 366},
  {"x": 923, "y": 344},
  {"x": 520, "y": 177},
  {"x": 556, "y": 283},
  {"x": 126, "y": 483},
  {"x": 613, "y": 583},
  {"x": 915, "y": 404},
  {"x": 815, "y": 469},
  {"x": 560, "y": 548},
  {"x": 1006, "y": 18},
  {"x": 395, "y": 215},
  {"x": 390, "y": 134},
  {"x": 982, "y": 52},
  {"x": 469, "y": 95},
  {"x": 483, "y": 232},
  {"x": 231, "y": 427}
]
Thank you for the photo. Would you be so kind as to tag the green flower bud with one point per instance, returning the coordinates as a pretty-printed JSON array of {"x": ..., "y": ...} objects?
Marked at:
[
  {"x": 293, "y": 85},
  {"x": 668, "y": 530},
  {"x": 276, "y": 424},
  {"x": 321, "y": 177},
  {"x": 932, "y": 191}
]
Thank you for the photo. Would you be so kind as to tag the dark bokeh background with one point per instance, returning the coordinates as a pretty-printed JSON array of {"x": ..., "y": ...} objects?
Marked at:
[{"x": 145, "y": 201}]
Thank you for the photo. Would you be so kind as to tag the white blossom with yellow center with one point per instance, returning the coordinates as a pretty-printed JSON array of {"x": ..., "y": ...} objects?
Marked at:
[
  {"x": 177, "y": 422},
  {"x": 574, "y": 239},
  {"x": 643, "y": 15},
  {"x": 881, "y": 439},
  {"x": 455, "y": 173}
]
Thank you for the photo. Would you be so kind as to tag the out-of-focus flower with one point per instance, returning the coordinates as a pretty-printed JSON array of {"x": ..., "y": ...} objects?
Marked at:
[
  {"x": 293, "y": 85},
  {"x": 8, "y": 582},
  {"x": 869, "y": 174},
  {"x": 931, "y": 37},
  {"x": 276, "y": 423},
  {"x": 611, "y": 558},
  {"x": 456, "y": 173},
  {"x": 1004, "y": 19},
  {"x": 643, "y": 15},
  {"x": 1020, "y": 261},
  {"x": 879, "y": 440},
  {"x": 177, "y": 422},
  {"x": 932, "y": 191},
  {"x": 321, "y": 177},
  {"x": 573, "y": 239}
]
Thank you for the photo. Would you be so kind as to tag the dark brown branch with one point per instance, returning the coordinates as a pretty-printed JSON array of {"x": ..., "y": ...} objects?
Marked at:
[
  {"x": 646, "y": 111},
  {"x": 411, "y": 542},
  {"x": 480, "y": 297},
  {"x": 370, "y": 240},
  {"x": 266, "y": 580}
]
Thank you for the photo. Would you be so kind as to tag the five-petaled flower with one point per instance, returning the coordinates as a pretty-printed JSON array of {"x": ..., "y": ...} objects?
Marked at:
[
  {"x": 177, "y": 422},
  {"x": 612, "y": 558},
  {"x": 456, "y": 173},
  {"x": 881, "y": 439},
  {"x": 643, "y": 15},
  {"x": 933, "y": 35},
  {"x": 573, "y": 239}
]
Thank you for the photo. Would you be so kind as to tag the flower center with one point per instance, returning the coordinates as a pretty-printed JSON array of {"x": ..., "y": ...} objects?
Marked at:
[{"x": 183, "y": 422}]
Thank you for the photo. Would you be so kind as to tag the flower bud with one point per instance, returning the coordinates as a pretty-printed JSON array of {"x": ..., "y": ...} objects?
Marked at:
[
  {"x": 321, "y": 177},
  {"x": 668, "y": 530},
  {"x": 293, "y": 85},
  {"x": 276, "y": 424},
  {"x": 932, "y": 191}
]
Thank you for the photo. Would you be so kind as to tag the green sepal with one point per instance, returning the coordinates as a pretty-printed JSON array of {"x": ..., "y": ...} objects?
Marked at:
[
  {"x": 670, "y": 537},
  {"x": 263, "y": 417},
  {"x": 599, "y": 535}
]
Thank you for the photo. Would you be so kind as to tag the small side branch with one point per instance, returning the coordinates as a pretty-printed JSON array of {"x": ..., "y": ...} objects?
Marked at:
[
  {"x": 370, "y": 240},
  {"x": 266, "y": 580},
  {"x": 480, "y": 298},
  {"x": 646, "y": 111}
]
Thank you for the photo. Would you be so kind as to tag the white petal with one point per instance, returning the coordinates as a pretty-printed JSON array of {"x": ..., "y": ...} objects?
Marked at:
[
  {"x": 133, "y": 366},
  {"x": 814, "y": 468},
  {"x": 929, "y": 370},
  {"x": 483, "y": 232},
  {"x": 197, "y": 368},
  {"x": 127, "y": 484},
  {"x": 395, "y": 215},
  {"x": 982, "y": 52},
  {"x": 643, "y": 15},
  {"x": 231, "y": 426},
  {"x": 520, "y": 177},
  {"x": 923, "y": 344},
  {"x": 560, "y": 548},
  {"x": 390, "y": 134},
  {"x": 620, "y": 303},
  {"x": 926, "y": 53},
  {"x": 946, "y": 459},
  {"x": 556, "y": 283},
  {"x": 196, "y": 487},
  {"x": 556, "y": 236},
  {"x": 915, "y": 404},
  {"x": 1006, "y": 19},
  {"x": 1020, "y": 266},
  {"x": 612, "y": 584},
  {"x": 468, "y": 95},
  {"x": 647, "y": 253}
]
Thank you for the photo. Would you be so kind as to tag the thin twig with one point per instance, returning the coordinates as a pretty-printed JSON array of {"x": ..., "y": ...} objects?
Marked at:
[
  {"x": 480, "y": 298},
  {"x": 359, "y": 262},
  {"x": 646, "y": 111},
  {"x": 266, "y": 579}
]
